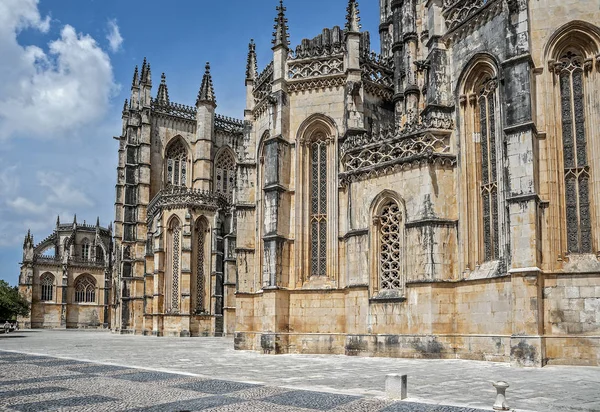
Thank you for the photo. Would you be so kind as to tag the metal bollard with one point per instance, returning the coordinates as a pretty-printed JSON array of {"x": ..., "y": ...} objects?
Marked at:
[
  {"x": 501, "y": 404},
  {"x": 396, "y": 386}
]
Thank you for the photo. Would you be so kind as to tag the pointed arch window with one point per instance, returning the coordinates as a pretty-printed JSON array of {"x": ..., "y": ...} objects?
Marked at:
[
  {"x": 575, "y": 158},
  {"x": 174, "y": 267},
  {"x": 200, "y": 263},
  {"x": 390, "y": 247},
  {"x": 486, "y": 101},
  {"x": 85, "y": 249},
  {"x": 225, "y": 173},
  {"x": 318, "y": 206},
  {"x": 176, "y": 157},
  {"x": 47, "y": 286},
  {"x": 85, "y": 289}
]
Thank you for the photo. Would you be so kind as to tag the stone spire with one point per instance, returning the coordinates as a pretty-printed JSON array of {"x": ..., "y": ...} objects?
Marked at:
[
  {"x": 280, "y": 35},
  {"x": 352, "y": 16},
  {"x": 98, "y": 221},
  {"x": 146, "y": 75},
  {"x": 75, "y": 220},
  {"x": 57, "y": 220},
  {"x": 125, "y": 105},
  {"x": 163, "y": 91},
  {"x": 207, "y": 92},
  {"x": 28, "y": 242},
  {"x": 251, "y": 64},
  {"x": 136, "y": 76}
]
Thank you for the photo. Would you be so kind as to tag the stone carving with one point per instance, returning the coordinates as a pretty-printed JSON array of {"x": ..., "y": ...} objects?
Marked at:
[
  {"x": 264, "y": 83},
  {"x": 177, "y": 197},
  {"x": 316, "y": 67},
  {"x": 317, "y": 83}
]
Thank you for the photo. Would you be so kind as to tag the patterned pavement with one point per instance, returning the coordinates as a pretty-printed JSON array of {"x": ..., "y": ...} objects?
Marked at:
[{"x": 41, "y": 383}]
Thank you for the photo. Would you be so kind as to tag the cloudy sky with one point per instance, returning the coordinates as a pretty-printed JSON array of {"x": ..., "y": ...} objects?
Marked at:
[{"x": 66, "y": 67}]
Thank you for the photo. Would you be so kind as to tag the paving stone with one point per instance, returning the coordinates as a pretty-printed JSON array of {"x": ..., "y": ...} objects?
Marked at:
[
  {"x": 215, "y": 387},
  {"x": 36, "y": 380},
  {"x": 60, "y": 403},
  {"x": 145, "y": 376},
  {"x": 191, "y": 405},
  {"x": 30, "y": 391},
  {"x": 311, "y": 400},
  {"x": 94, "y": 369}
]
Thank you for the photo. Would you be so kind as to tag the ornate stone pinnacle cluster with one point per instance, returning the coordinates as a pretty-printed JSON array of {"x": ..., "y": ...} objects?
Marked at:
[
  {"x": 146, "y": 73},
  {"x": 163, "y": 91},
  {"x": 281, "y": 36},
  {"x": 353, "y": 16},
  {"x": 251, "y": 64},
  {"x": 136, "y": 77},
  {"x": 207, "y": 92}
]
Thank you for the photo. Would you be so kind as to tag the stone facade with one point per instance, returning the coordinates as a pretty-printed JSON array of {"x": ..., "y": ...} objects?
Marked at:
[
  {"x": 174, "y": 269},
  {"x": 66, "y": 277},
  {"x": 438, "y": 199}
]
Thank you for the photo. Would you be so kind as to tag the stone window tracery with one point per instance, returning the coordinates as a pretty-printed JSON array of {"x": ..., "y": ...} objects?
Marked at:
[
  {"x": 574, "y": 145},
  {"x": 200, "y": 260},
  {"x": 85, "y": 249},
  {"x": 225, "y": 173},
  {"x": 176, "y": 159},
  {"x": 318, "y": 206},
  {"x": 85, "y": 290},
  {"x": 47, "y": 285},
  {"x": 390, "y": 247},
  {"x": 486, "y": 102},
  {"x": 175, "y": 230}
]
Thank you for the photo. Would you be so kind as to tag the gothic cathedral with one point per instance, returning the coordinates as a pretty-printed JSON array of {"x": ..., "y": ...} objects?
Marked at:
[{"x": 440, "y": 198}]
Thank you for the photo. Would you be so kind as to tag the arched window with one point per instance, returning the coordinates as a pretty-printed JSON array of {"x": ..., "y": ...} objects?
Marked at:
[
  {"x": 200, "y": 234},
  {"x": 575, "y": 153},
  {"x": 388, "y": 254},
  {"x": 176, "y": 160},
  {"x": 225, "y": 172},
  {"x": 99, "y": 254},
  {"x": 318, "y": 205},
  {"x": 390, "y": 247},
  {"x": 47, "y": 285},
  {"x": 173, "y": 269},
  {"x": 486, "y": 102},
  {"x": 481, "y": 164},
  {"x": 85, "y": 289},
  {"x": 85, "y": 249}
]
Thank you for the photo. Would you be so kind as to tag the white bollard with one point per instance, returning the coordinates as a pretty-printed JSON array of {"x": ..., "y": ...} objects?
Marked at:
[
  {"x": 396, "y": 386},
  {"x": 501, "y": 404}
]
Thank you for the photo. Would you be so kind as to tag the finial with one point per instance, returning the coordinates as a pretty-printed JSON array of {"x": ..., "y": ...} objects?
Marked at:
[
  {"x": 252, "y": 64},
  {"x": 58, "y": 220},
  {"x": 207, "y": 91},
  {"x": 280, "y": 35},
  {"x": 98, "y": 221},
  {"x": 136, "y": 78},
  {"x": 353, "y": 17},
  {"x": 125, "y": 105},
  {"x": 146, "y": 73},
  {"x": 163, "y": 92},
  {"x": 75, "y": 219}
]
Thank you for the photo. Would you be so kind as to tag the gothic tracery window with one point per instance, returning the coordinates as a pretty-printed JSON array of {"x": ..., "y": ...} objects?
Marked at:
[
  {"x": 225, "y": 173},
  {"x": 47, "y": 285},
  {"x": 486, "y": 102},
  {"x": 200, "y": 259},
  {"x": 85, "y": 249},
  {"x": 85, "y": 290},
  {"x": 390, "y": 247},
  {"x": 318, "y": 206},
  {"x": 172, "y": 282},
  {"x": 576, "y": 167},
  {"x": 176, "y": 159}
]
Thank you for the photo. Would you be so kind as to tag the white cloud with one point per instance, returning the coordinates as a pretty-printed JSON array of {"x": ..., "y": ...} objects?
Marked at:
[
  {"x": 26, "y": 207},
  {"x": 62, "y": 191},
  {"x": 115, "y": 40},
  {"x": 9, "y": 180},
  {"x": 45, "y": 94}
]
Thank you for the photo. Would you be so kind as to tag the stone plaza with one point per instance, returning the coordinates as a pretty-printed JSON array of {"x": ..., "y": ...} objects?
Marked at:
[{"x": 98, "y": 371}]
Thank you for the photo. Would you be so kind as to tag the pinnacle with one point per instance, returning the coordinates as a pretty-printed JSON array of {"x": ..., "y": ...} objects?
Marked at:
[
  {"x": 207, "y": 91},
  {"x": 136, "y": 78},
  {"x": 353, "y": 16},
  {"x": 280, "y": 35},
  {"x": 251, "y": 65},
  {"x": 163, "y": 91}
]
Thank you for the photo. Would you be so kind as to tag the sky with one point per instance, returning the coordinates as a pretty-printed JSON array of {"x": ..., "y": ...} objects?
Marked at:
[{"x": 66, "y": 68}]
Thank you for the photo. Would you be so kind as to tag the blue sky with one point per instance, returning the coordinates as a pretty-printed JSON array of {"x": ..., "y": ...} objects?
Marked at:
[{"x": 66, "y": 67}]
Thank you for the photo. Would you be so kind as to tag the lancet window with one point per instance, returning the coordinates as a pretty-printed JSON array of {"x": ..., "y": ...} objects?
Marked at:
[
  {"x": 173, "y": 269},
  {"x": 200, "y": 240},
  {"x": 47, "y": 285},
  {"x": 575, "y": 157},
  {"x": 390, "y": 247},
  {"x": 318, "y": 206},
  {"x": 85, "y": 290},
  {"x": 85, "y": 249},
  {"x": 176, "y": 159},
  {"x": 486, "y": 101},
  {"x": 225, "y": 173}
]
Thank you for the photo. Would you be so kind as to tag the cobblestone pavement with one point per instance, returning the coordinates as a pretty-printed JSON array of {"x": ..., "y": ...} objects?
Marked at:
[{"x": 136, "y": 372}]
